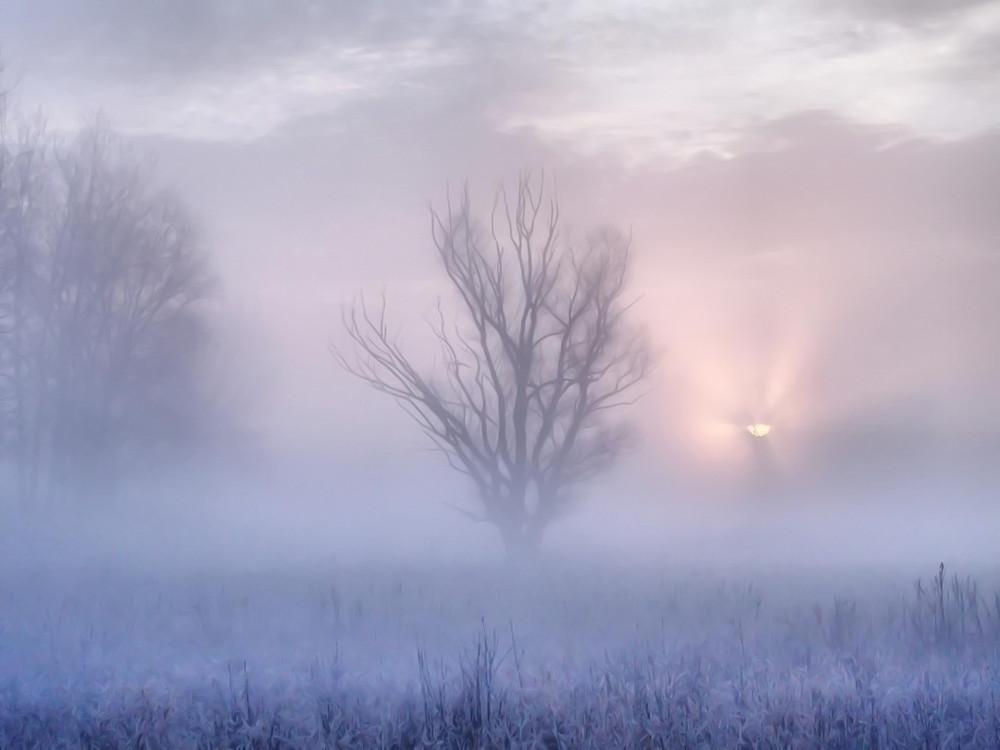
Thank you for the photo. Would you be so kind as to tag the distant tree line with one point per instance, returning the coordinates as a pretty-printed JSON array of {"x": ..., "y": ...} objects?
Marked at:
[{"x": 102, "y": 324}]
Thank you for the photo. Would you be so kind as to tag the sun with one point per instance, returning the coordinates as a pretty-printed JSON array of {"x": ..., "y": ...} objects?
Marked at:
[{"x": 758, "y": 430}]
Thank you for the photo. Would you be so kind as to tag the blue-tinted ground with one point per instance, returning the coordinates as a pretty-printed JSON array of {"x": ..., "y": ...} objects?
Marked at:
[{"x": 489, "y": 656}]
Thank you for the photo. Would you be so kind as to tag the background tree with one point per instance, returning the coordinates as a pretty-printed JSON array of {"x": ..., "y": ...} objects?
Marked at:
[
  {"x": 101, "y": 312},
  {"x": 122, "y": 331},
  {"x": 541, "y": 357},
  {"x": 25, "y": 155}
]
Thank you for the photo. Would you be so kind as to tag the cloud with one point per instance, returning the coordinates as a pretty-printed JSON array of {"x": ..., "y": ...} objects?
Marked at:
[
  {"x": 634, "y": 78},
  {"x": 635, "y": 88},
  {"x": 907, "y": 12},
  {"x": 214, "y": 70},
  {"x": 188, "y": 37}
]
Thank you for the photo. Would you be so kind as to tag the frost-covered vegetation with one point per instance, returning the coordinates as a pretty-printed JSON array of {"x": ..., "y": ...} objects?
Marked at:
[{"x": 490, "y": 657}]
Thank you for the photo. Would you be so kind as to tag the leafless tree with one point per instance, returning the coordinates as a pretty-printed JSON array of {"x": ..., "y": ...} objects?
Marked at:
[
  {"x": 101, "y": 316},
  {"x": 24, "y": 206},
  {"x": 541, "y": 357},
  {"x": 6, "y": 274},
  {"x": 121, "y": 324},
  {"x": 23, "y": 153}
]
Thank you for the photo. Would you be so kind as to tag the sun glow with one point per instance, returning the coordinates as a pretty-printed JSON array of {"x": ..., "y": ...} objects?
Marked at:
[{"x": 758, "y": 430}]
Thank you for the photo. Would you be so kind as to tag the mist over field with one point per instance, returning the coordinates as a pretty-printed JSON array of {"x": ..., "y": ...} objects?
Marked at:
[{"x": 692, "y": 309}]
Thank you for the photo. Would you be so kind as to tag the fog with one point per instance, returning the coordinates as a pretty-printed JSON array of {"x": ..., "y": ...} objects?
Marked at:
[
  {"x": 815, "y": 251},
  {"x": 810, "y": 192}
]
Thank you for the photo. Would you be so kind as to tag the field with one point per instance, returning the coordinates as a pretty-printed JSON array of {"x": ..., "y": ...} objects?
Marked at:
[{"x": 492, "y": 656}]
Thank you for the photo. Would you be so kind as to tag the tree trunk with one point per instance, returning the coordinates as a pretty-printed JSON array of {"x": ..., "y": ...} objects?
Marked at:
[{"x": 522, "y": 542}]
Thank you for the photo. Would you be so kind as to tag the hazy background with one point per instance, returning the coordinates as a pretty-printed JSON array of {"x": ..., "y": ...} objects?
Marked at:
[{"x": 812, "y": 190}]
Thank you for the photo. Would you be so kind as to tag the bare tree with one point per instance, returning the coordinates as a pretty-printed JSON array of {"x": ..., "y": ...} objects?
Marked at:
[
  {"x": 121, "y": 326},
  {"x": 6, "y": 277},
  {"x": 23, "y": 202},
  {"x": 24, "y": 211},
  {"x": 542, "y": 356},
  {"x": 101, "y": 324}
]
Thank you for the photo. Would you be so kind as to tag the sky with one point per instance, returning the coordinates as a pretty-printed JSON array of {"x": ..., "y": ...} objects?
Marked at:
[{"x": 811, "y": 189}]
